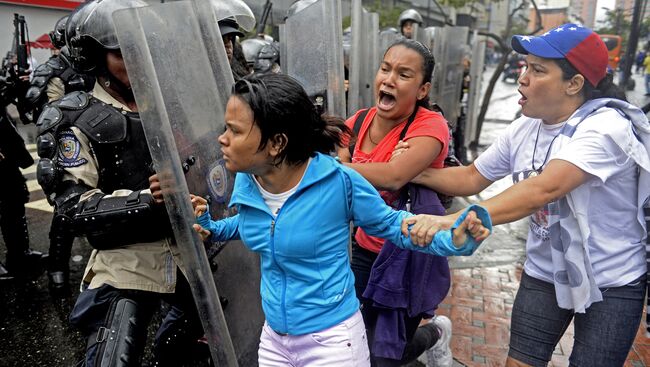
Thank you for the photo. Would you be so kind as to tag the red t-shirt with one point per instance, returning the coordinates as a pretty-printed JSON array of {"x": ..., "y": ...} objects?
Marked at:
[{"x": 426, "y": 123}]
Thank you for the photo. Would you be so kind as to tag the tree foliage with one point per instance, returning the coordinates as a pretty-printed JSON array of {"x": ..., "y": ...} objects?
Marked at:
[{"x": 618, "y": 21}]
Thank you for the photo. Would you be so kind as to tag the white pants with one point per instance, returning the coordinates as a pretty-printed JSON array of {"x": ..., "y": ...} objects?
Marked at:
[{"x": 342, "y": 345}]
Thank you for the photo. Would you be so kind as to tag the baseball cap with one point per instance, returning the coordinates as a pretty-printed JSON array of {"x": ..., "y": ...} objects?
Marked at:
[{"x": 579, "y": 45}]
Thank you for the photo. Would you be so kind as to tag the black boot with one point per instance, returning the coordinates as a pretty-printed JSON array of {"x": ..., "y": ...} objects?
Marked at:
[
  {"x": 58, "y": 267},
  {"x": 4, "y": 273},
  {"x": 29, "y": 264}
]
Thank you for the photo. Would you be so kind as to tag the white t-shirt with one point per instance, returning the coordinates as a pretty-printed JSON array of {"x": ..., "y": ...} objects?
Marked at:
[
  {"x": 616, "y": 250},
  {"x": 275, "y": 201}
]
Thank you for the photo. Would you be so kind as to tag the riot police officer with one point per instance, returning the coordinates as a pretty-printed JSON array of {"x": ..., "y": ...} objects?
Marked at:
[
  {"x": 406, "y": 21},
  {"x": 95, "y": 167},
  {"x": 229, "y": 29},
  {"x": 54, "y": 78},
  {"x": 21, "y": 260},
  {"x": 51, "y": 81}
]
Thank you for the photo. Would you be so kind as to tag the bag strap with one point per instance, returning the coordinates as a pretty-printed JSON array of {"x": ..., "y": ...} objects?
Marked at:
[
  {"x": 408, "y": 123},
  {"x": 357, "y": 127},
  {"x": 362, "y": 116}
]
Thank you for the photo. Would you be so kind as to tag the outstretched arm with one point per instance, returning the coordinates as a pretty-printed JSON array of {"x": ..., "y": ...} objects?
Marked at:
[{"x": 455, "y": 181}]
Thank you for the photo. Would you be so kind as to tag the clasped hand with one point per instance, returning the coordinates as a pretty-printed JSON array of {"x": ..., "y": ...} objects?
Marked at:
[{"x": 423, "y": 227}]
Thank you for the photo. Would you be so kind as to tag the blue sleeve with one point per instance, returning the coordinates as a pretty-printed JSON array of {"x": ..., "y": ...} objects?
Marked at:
[
  {"x": 221, "y": 230},
  {"x": 370, "y": 212},
  {"x": 442, "y": 243}
]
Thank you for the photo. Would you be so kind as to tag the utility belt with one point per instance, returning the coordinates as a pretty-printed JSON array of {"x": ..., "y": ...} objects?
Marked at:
[{"x": 116, "y": 221}]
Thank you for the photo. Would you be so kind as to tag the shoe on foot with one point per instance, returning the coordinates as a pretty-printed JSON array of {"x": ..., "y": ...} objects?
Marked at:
[
  {"x": 4, "y": 273},
  {"x": 440, "y": 354}
]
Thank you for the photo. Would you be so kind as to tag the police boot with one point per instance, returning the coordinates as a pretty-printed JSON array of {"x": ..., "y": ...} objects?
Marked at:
[
  {"x": 58, "y": 269},
  {"x": 4, "y": 273},
  {"x": 21, "y": 260},
  {"x": 28, "y": 264}
]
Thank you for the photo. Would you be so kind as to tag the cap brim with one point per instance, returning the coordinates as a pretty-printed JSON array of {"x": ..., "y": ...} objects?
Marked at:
[
  {"x": 230, "y": 30},
  {"x": 535, "y": 46}
]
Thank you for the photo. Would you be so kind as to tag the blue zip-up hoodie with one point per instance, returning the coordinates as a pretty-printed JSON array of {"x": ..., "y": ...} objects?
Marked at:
[{"x": 307, "y": 284}]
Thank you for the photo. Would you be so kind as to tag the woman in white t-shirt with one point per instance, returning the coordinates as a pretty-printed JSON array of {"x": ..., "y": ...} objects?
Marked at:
[{"x": 579, "y": 162}]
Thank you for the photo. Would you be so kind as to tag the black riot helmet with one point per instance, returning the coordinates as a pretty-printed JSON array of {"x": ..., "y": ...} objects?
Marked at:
[
  {"x": 57, "y": 36},
  {"x": 229, "y": 27},
  {"x": 90, "y": 32},
  {"x": 251, "y": 48},
  {"x": 268, "y": 59}
]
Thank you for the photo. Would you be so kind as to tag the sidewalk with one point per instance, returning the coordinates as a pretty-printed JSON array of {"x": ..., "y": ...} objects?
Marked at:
[{"x": 479, "y": 305}]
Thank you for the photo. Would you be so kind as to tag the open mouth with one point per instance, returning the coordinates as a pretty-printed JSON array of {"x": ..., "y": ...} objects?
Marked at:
[
  {"x": 523, "y": 98},
  {"x": 386, "y": 100}
]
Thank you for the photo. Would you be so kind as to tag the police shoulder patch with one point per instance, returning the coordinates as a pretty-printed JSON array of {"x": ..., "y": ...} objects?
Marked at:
[{"x": 69, "y": 149}]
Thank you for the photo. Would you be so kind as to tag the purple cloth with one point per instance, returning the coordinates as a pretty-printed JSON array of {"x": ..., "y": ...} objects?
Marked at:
[{"x": 406, "y": 283}]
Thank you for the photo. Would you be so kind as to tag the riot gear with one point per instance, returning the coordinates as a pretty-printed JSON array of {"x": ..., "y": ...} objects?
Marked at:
[
  {"x": 315, "y": 59},
  {"x": 177, "y": 98},
  {"x": 59, "y": 67},
  {"x": 90, "y": 29},
  {"x": 21, "y": 260},
  {"x": 410, "y": 15},
  {"x": 234, "y": 9},
  {"x": 57, "y": 36},
  {"x": 407, "y": 19},
  {"x": 268, "y": 59},
  {"x": 251, "y": 48},
  {"x": 298, "y": 6},
  {"x": 229, "y": 26}
]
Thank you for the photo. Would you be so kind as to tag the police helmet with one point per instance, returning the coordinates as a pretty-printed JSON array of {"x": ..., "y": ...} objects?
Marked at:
[
  {"x": 57, "y": 36},
  {"x": 251, "y": 48},
  {"x": 268, "y": 59},
  {"x": 236, "y": 9},
  {"x": 229, "y": 26},
  {"x": 410, "y": 15},
  {"x": 389, "y": 30},
  {"x": 298, "y": 6},
  {"x": 90, "y": 29}
]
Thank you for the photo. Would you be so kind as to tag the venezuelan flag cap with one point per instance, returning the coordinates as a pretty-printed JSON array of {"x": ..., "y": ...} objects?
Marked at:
[{"x": 580, "y": 46}]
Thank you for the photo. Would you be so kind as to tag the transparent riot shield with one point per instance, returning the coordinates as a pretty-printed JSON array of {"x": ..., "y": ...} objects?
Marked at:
[
  {"x": 386, "y": 38},
  {"x": 448, "y": 49},
  {"x": 419, "y": 34},
  {"x": 312, "y": 52},
  {"x": 478, "y": 45},
  {"x": 234, "y": 8},
  {"x": 182, "y": 109},
  {"x": 364, "y": 57}
]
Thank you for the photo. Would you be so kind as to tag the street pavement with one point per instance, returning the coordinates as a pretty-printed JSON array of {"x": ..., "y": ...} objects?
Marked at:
[{"x": 34, "y": 330}]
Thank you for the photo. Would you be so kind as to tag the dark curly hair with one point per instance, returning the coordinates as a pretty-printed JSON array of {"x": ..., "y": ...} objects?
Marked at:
[{"x": 280, "y": 105}]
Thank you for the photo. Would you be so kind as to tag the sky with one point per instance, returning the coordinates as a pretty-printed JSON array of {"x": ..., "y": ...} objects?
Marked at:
[{"x": 600, "y": 13}]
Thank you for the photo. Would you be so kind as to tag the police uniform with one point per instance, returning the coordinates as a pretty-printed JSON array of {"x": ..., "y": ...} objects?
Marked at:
[
  {"x": 51, "y": 81},
  {"x": 21, "y": 260},
  {"x": 101, "y": 156}
]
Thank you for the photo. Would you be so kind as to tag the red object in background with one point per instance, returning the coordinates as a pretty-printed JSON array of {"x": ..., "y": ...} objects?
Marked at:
[
  {"x": 52, "y": 4},
  {"x": 41, "y": 42}
]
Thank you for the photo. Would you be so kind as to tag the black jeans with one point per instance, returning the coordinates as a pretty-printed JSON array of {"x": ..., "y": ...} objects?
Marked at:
[{"x": 419, "y": 339}]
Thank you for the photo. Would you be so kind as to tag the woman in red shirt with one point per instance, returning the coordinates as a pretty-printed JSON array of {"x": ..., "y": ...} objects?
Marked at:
[{"x": 402, "y": 86}]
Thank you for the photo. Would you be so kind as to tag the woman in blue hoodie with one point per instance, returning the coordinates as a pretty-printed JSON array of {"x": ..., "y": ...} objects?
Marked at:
[{"x": 294, "y": 204}]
